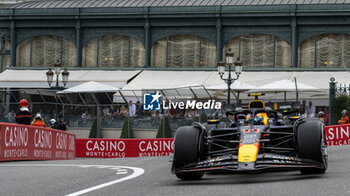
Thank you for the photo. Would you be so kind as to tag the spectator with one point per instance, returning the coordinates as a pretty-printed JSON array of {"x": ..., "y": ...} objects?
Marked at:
[
  {"x": 132, "y": 109},
  {"x": 321, "y": 116},
  {"x": 11, "y": 117},
  {"x": 23, "y": 116},
  {"x": 38, "y": 121},
  {"x": 52, "y": 123},
  {"x": 344, "y": 118},
  {"x": 123, "y": 111},
  {"x": 172, "y": 112},
  {"x": 86, "y": 116},
  {"x": 105, "y": 111},
  {"x": 219, "y": 113},
  {"x": 139, "y": 109},
  {"x": 114, "y": 111},
  {"x": 60, "y": 124},
  {"x": 190, "y": 113},
  {"x": 310, "y": 110},
  {"x": 303, "y": 109}
]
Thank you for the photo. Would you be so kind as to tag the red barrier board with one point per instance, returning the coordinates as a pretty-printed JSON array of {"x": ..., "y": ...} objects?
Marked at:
[
  {"x": 338, "y": 135},
  {"x": 24, "y": 142},
  {"x": 118, "y": 148}
]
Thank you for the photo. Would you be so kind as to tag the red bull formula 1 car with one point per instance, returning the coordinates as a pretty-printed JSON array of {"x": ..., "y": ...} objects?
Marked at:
[{"x": 259, "y": 140}]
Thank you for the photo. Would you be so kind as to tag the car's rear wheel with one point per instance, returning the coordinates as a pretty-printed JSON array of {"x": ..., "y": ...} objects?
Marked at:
[
  {"x": 311, "y": 144},
  {"x": 188, "y": 145}
]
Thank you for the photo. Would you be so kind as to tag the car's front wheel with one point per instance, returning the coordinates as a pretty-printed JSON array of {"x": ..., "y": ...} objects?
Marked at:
[
  {"x": 311, "y": 144},
  {"x": 188, "y": 145}
]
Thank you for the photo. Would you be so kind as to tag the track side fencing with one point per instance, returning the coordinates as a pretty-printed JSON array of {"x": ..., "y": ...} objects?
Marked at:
[{"x": 23, "y": 142}]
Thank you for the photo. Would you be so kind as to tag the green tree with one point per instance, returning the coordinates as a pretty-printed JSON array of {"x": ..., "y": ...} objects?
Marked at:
[
  {"x": 340, "y": 103},
  {"x": 164, "y": 130},
  {"x": 93, "y": 130},
  {"x": 127, "y": 130},
  {"x": 203, "y": 118}
]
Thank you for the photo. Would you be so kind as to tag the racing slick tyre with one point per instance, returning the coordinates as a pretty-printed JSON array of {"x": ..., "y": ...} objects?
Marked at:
[
  {"x": 188, "y": 145},
  {"x": 311, "y": 144}
]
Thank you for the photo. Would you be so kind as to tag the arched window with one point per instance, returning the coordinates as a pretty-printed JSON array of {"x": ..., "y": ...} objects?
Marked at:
[
  {"x": 5, "y": 55},
  {"x": 43, "y": 51},
  {"x": 114, "y": 51},
  {"x": 260, "y": 50},
  {"x": 326, "y": 50},
  {"x": 183, "y": 51}
]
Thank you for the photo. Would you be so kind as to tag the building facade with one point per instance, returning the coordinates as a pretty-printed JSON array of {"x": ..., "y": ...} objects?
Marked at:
[{"x": 178, "y": 34}]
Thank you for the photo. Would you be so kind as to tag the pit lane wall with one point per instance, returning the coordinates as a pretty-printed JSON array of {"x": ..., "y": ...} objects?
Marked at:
[
  {"x": 119, "y": 148},
  {"x": 23, "y": 142}
]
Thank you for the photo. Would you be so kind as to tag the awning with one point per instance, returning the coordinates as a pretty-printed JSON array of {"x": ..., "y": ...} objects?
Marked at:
[
  {"x": 37, "y": 78},
  {"x": 167, "y": 79},
  {"x": 158, "y": 80},
  {"x": 90, "y": 87},
  {"x": 236, "y": 86},
  {"x": 286, "y": 86}
]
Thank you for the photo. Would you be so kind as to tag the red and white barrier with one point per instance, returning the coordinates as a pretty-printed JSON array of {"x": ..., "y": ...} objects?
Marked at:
[
  {"x": 118, "y": 148},
  {"x": 24, "y": 142},
  {"x": 338, "y": 135}
]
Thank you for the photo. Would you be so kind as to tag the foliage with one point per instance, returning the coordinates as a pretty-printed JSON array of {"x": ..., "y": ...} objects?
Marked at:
[
  {"x": 203, "y": 118},
  {"x": 340, "y": 103},
  {"x": 93, "y": 130},
  {"x": 127, "y": 129},
  {"x": 164, "y": 130}
]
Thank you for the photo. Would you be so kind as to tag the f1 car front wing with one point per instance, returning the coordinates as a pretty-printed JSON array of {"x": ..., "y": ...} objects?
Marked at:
[{"x": 264, "y": 163}]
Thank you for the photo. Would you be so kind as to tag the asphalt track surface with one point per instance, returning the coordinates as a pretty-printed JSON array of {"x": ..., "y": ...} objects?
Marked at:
[{"x": 151, "y": 176}]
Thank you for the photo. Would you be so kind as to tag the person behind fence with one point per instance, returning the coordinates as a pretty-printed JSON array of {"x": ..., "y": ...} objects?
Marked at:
[
  {"x": 52, "y": 123},
  {"x": 38, "y": 121},
  {"x": 60, "y": 124},
  {"x": 23, "y": 116},
  {"x": 303, "y": 108},
  {"x": 219, "y": 113},
  {"x": 139, "y": 109},
  {"x": 86, "y": 116},
  {"x": 132, "y": 109},
  {"x": 123, "y": 111},
  {"x": 344, "y": 119},
  {"x": 11, "y": 117},
  {"x": 310, "y": 110},
  {"x": 321, "y": 116}
]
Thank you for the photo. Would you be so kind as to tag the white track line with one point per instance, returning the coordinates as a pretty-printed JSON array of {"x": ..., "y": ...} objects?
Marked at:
[{"x": 137, "y": 172}]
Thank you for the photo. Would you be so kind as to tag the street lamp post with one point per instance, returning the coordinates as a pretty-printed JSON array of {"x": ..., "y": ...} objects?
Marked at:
[
  {"x": 57, "y": 71},
  {"x": 221, "y": 69}
]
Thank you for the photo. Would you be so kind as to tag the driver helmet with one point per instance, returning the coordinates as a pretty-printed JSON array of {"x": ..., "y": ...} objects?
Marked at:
[
  {"x": 249, "y": 117},
  {"x": 344, "y": 112}
]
